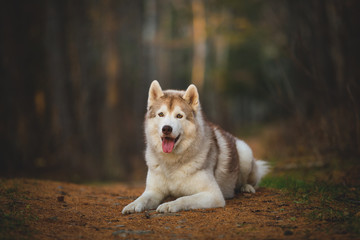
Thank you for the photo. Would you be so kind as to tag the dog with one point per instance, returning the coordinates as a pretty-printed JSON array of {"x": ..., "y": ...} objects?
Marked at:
[{"x": 190, "y": 158}]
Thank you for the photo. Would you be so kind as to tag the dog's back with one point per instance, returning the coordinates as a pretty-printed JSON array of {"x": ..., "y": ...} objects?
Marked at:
[{"x": 235, "y": 168}]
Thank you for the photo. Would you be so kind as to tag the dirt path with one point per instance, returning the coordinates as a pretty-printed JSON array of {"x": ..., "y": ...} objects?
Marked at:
[{"x": 57, "y": 210}]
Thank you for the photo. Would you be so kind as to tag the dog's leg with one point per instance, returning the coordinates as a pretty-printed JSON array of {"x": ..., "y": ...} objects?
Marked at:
[
  {"x": 148, "y": 200},
  {"x": 196, "y": 201}
]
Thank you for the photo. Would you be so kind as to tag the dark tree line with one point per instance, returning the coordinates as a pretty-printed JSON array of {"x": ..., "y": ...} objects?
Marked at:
[
  {"x": 65, "y": 109},
  {"x": 324, "y": 74}
]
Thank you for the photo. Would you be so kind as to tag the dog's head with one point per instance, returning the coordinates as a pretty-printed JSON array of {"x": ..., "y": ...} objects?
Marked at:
[{"x": 171, "y": 118}]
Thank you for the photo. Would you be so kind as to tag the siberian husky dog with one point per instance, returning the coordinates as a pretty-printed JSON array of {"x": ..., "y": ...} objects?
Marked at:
[{"x": 190, "y": 158}]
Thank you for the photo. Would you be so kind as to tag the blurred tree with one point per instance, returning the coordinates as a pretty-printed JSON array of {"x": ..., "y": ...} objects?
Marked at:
[
  {"x": 321, "y": 42},
  {"x": 199, "y": 35}
]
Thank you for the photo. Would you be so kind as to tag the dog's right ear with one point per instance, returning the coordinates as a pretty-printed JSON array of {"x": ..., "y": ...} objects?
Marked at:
[{"x": 155, "y": 92}]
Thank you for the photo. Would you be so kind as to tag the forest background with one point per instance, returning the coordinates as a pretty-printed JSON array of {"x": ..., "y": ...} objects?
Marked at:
[{"x": 74, "y": 77}]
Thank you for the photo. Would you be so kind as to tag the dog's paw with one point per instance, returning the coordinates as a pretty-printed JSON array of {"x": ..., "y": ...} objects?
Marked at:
[
  {"x": 247, "y": 188},
  {"x": 133, "y": 207},
  {"x": 169, "y": 207}
]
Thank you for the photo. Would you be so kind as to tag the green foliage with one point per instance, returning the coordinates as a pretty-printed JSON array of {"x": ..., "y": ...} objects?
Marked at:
[
  {"x": 327, "y": 202},
  {"x": 288, "y": 183},
  {"x": 346, "y": 221},
  {"x": 14, "y": 214},
  {"x": 303, "y": 190}
]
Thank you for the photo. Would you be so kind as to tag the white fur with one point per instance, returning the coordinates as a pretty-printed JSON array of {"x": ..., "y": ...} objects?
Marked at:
[
  {"x": 263, "y": 168},
  {"x": 197, "y": 170}
]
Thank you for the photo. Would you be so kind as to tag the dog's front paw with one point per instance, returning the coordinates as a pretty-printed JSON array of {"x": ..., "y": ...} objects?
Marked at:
[
  {"x": 169, "y": 207},
  {"x": 136, "y": 206}
]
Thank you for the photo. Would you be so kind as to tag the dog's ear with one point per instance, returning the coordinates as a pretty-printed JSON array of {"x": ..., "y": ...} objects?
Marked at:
[
  {"x": 155, "y": 92},
  {"x": 191, "y": 96}
]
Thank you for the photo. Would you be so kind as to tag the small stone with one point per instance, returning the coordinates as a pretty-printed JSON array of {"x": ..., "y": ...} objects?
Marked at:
[
  {"x": 119, "y": 232},
  {"x": 123, "y": 232},
  {"x": 142, "y": 232},
  {"x": 60, "y": 198},
  {"x": 53, "y": 218},
  {"x": 119, "y": 226},
  {"x": 288, "y": 233}
]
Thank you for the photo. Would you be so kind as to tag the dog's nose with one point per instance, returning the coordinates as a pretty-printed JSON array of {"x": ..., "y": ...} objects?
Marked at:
[{"x": 166, "y": 129}]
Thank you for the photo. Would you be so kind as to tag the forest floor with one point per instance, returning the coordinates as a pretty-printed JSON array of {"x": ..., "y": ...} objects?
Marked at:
[
  {"x": 38, "y": 209},
  {"x": 313, "y": 201}
]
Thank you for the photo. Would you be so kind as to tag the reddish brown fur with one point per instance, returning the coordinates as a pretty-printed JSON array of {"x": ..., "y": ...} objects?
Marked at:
[
  {"x": 234, "y": 155},
  {"x": 234, "y": 163},
  {"x": 215, "y": 141}
]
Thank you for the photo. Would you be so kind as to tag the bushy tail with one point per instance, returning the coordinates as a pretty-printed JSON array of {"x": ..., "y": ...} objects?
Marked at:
[{"x": 262, "y": 168}]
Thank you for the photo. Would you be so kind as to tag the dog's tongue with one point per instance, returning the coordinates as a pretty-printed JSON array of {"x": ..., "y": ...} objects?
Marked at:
[{"x": 168, "y": 145}]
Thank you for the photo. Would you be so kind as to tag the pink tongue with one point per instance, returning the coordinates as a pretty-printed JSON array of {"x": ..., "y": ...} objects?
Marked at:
[{"x": 168, "y": 145}]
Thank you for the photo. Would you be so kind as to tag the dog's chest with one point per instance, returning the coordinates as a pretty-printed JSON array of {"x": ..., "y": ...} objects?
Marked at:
[{"x": 178, "y": 182}]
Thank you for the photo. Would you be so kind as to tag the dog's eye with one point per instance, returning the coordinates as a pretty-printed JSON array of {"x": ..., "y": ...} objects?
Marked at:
[
  {"x": 179, "y": 116},
  {"x": 161, "y": 114}
]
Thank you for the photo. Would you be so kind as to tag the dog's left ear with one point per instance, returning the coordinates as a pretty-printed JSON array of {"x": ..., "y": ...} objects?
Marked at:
[{"x": 191, "y": 96}]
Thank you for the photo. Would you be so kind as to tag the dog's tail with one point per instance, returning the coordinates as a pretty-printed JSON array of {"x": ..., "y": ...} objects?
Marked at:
[{"x": 261, "y": 168}]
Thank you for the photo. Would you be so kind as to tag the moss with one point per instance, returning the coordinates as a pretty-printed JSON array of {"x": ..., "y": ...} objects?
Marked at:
[
  {"x": 328, "y": 202},
  {"x": 15, "y": 215}
]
